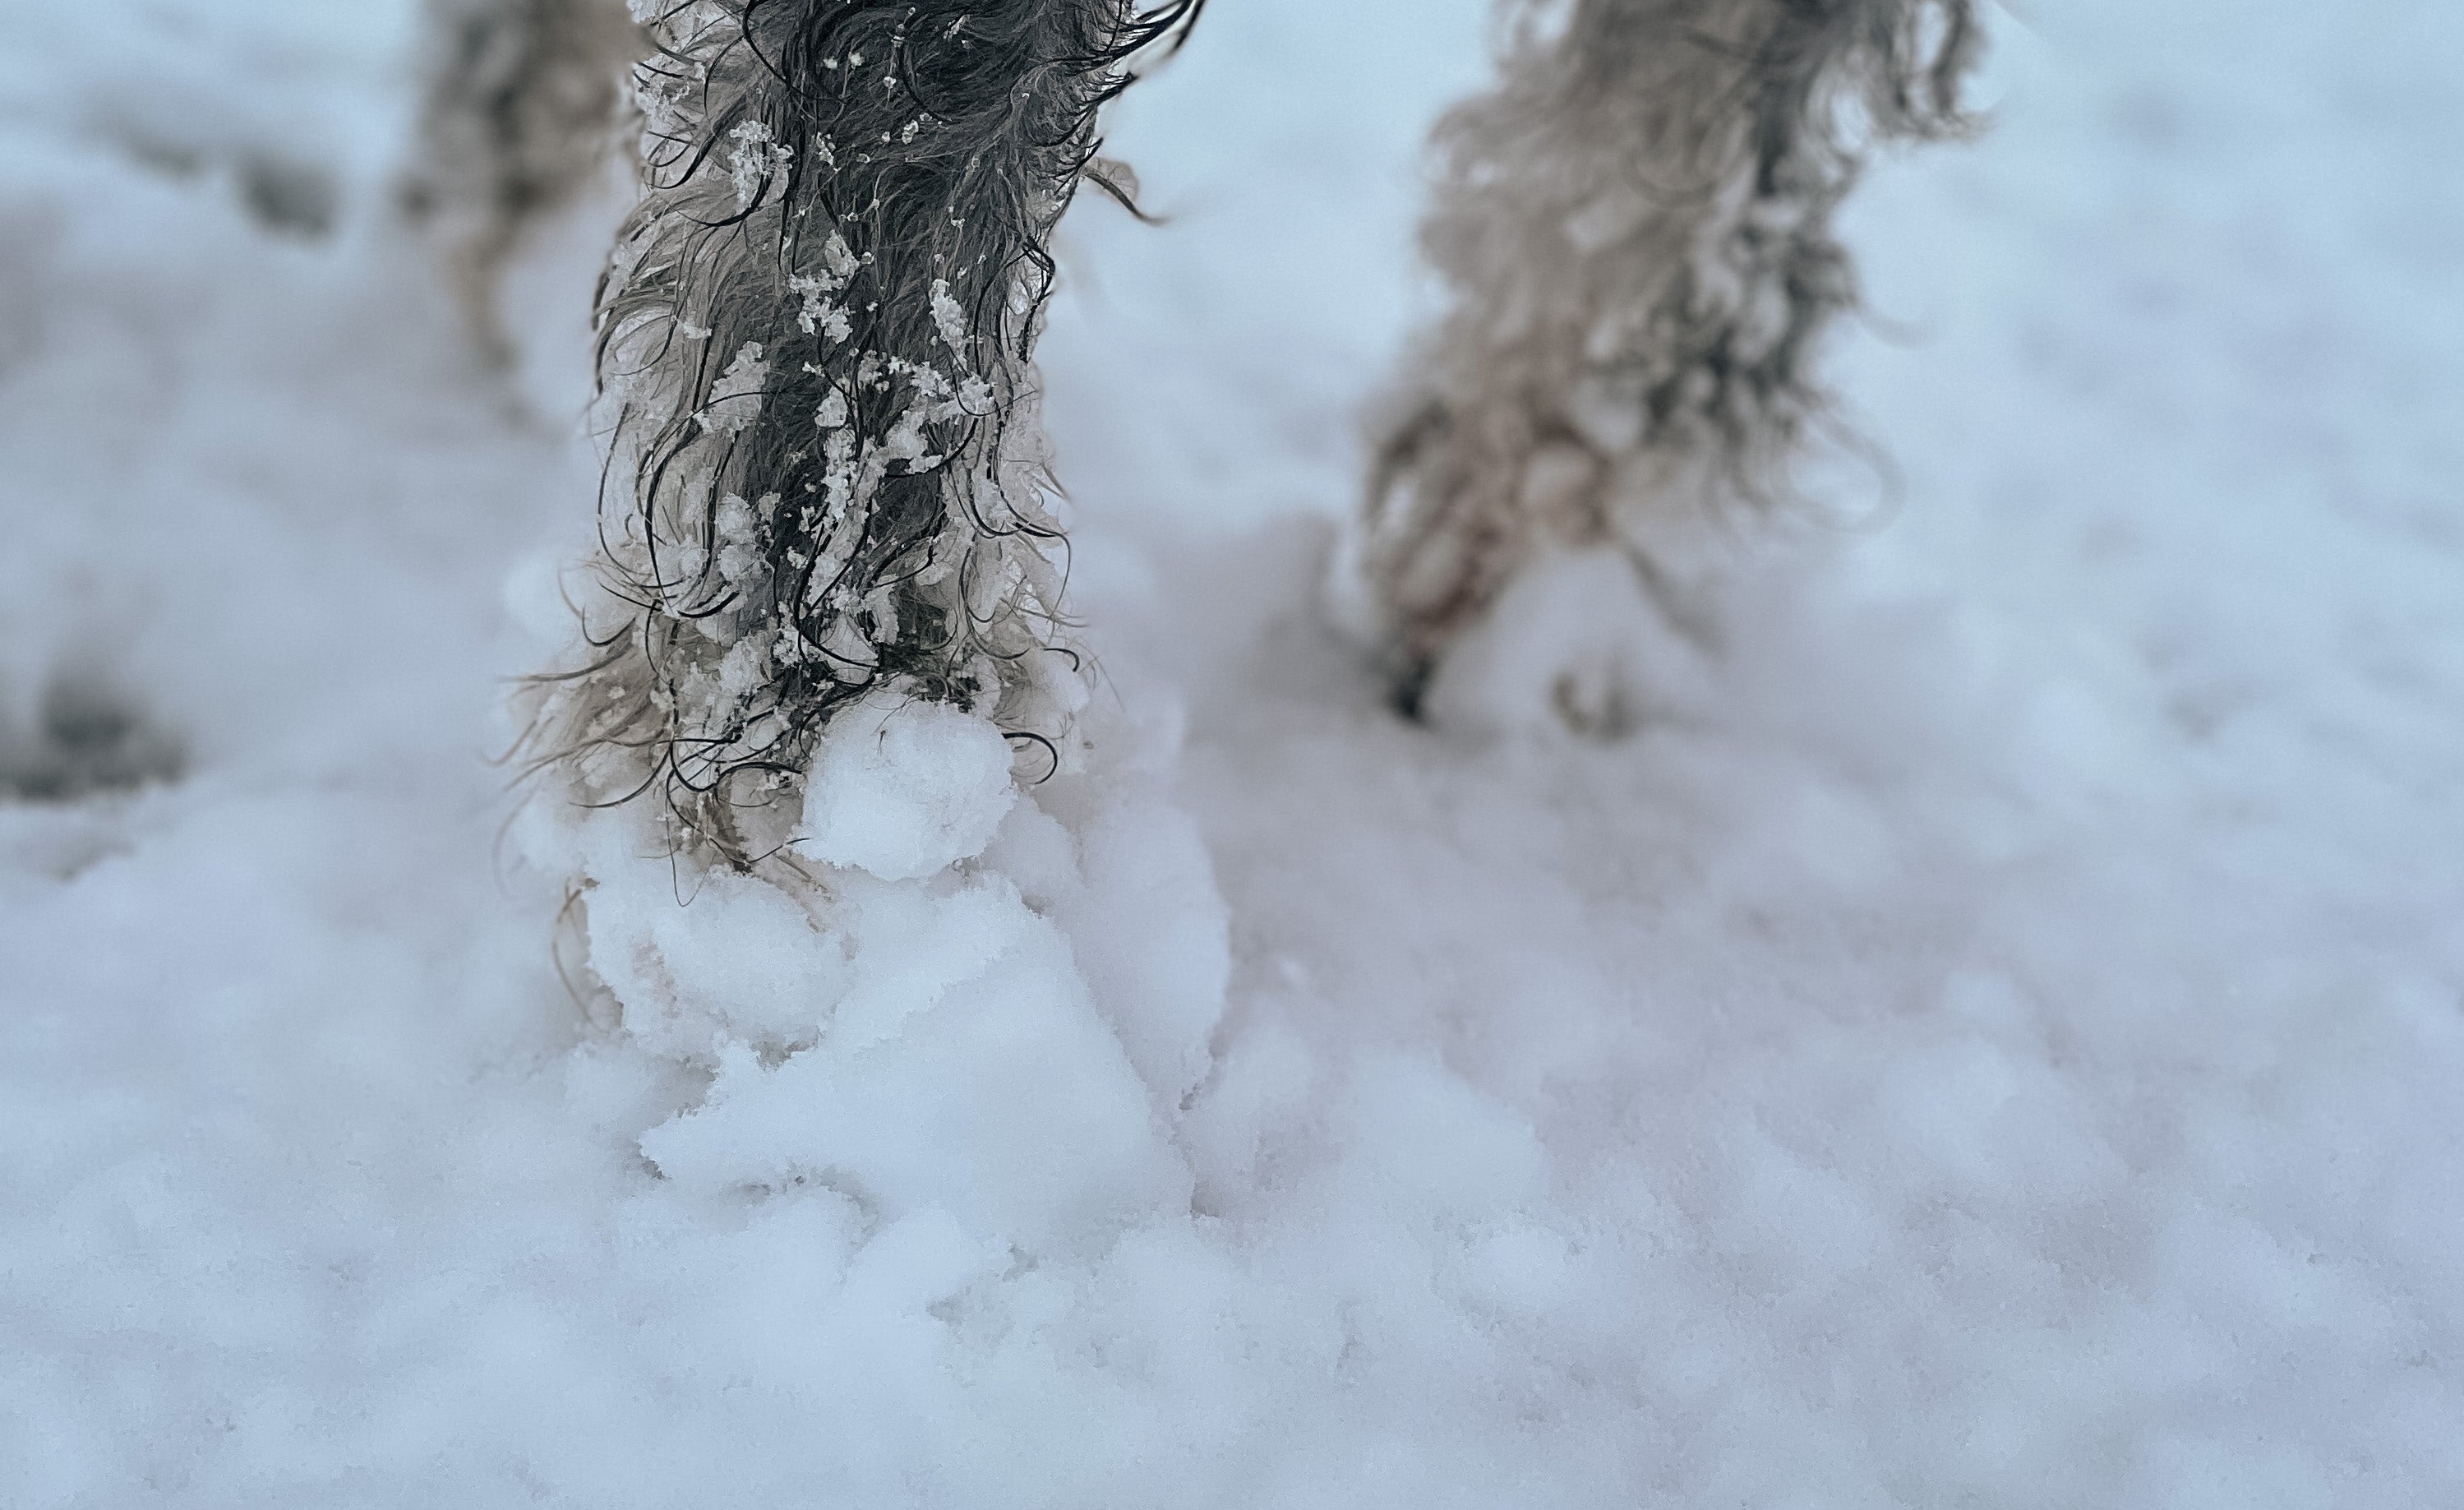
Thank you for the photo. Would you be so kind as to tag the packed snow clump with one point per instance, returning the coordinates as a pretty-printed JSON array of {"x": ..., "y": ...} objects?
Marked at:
[
  {"x": 989, "y": 1047},
  {"x": 902, "y": 788}
]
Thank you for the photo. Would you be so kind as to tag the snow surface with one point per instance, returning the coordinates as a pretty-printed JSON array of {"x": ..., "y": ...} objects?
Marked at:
[{"x": 1990, "y": 1031}]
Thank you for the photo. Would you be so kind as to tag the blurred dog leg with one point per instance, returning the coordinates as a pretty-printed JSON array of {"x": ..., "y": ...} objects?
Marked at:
[
  {"x": 526, "y": 101},
  {"x": 1636, "y": 229}
]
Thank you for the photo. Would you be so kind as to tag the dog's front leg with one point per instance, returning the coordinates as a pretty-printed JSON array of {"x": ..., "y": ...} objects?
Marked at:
[{"x": 825, "y": 470}]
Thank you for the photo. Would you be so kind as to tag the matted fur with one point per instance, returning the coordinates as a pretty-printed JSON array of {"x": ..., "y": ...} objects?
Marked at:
[
  {"x": 1636, "y": 229},
  {"x": 524, "y": 100},
  {"x": 825, "y": 468}
]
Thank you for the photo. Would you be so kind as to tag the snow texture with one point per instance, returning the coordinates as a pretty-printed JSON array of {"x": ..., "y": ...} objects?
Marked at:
[
  {"x": 1986, "y": 1029},
  {"x": 891, "y": 1027},
  {"x": 903, "y": 788}
]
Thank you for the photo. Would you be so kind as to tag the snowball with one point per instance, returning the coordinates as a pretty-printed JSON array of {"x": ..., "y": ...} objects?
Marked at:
[{"x": 903, "y": 788}]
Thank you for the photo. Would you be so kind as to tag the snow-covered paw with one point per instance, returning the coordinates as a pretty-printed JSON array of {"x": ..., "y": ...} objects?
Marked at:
[
  {"x": 1576, "y": 645},
  {"x": 980, "y": 1083},
  {"x": 960, "y": 1007}
]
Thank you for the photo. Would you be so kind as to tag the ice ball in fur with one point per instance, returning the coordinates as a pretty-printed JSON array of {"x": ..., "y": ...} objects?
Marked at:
[{"x": 903, "y": 788}]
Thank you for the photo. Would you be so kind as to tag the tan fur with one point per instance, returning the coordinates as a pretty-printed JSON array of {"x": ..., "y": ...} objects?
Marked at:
[
  {"x": 522, "y": 111},
  {"x": 1635, "y": 228}
]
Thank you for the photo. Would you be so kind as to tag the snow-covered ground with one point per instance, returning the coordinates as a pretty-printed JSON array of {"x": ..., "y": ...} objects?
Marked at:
[{"x": 1994, "y": 1036}]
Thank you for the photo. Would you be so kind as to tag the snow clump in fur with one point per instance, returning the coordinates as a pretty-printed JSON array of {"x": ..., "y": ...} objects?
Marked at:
[{"x": 901, "y": 788}]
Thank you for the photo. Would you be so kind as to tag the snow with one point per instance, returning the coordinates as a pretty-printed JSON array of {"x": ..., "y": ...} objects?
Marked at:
[
  {"x": 1576, "y": 646},
  {"x": 903, "y": 788},
  {"x": 1986, "y": 1029}
]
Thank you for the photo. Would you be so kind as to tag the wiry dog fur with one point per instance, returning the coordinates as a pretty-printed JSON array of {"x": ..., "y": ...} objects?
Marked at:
[
  {"x": 826, "y": 472},
  {"x": 524, "y": 102},
  {"x": 1635, "y": 229}
]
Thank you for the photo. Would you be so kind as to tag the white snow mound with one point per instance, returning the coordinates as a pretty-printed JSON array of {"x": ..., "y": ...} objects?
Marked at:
[
  {"x": 999, "y": 1050},
  {"x": 904, "y": 788},
  {"x": 998, "y": 1098}
]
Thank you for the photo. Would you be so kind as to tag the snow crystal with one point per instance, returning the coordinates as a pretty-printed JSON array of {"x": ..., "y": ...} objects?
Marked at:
[
  {"x": 747, "y": 374},
  {"x": 950, "y": 317},
  {"x": 754, "y": 154}
]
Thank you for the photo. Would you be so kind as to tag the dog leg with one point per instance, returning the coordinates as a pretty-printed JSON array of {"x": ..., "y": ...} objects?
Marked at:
[
  {"x": 524, "y": 104},
  {"x": 1634, "y": 225},
  {"x": 826, "y": 475}
]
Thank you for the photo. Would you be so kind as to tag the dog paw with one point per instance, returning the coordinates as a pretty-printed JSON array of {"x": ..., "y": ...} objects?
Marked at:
[{"x": 1576, "y": 646}]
